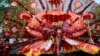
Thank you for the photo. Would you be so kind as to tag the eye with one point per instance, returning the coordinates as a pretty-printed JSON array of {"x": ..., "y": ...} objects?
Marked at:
[
  {"x": 89, "y": 15},
  {"x": 24, "y": 15}
]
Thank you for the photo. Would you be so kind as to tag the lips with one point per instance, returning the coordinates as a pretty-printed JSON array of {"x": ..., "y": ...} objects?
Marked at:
[
  {"x": 55, "y": 1},
  {"x": 56, "y": 18}
]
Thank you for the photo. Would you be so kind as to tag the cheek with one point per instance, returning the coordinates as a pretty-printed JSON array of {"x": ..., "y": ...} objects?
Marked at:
[
  {"x": 44, "y": 20},
  {"x": 73, "y": 17},
  {"x": 68, "y": 21},
  {"x": 33, "y": 23}
]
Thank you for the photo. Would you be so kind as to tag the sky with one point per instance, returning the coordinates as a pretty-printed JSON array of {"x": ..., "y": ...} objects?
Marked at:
[{"x": 97, "y": 1}]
